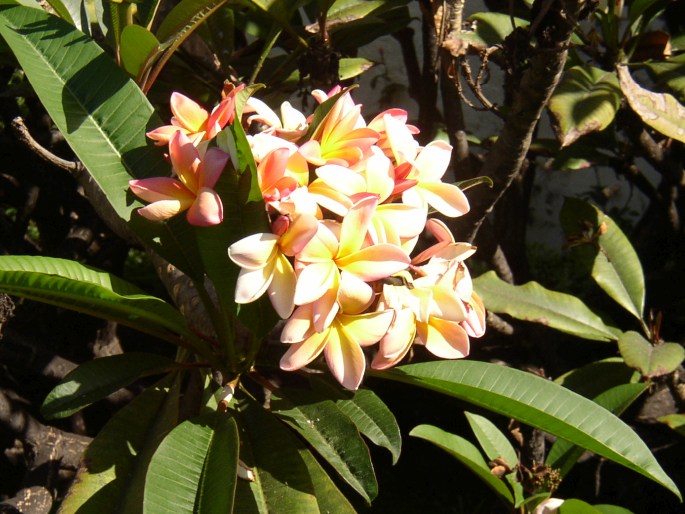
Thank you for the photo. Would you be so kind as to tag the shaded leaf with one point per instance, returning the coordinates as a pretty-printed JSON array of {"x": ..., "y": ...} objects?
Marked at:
[
  {"x": 675, "y": 421},
  {"x": 660, "y": 111},
  {"x": 467, "y": 454},
  {"x": 602, "y": 248},
  {"x": 331, "y": 433},
  {"x": 194, "y": 469},
  {"x": 532, "y": 302},
  {"x": 368, "y": 412},
  {"x": 282, "y": 481},
  {"x": 586, "y": 100},
  {"x": 650, "y": 360},
  {"x": 539, "y": 403},
  {"x": 96, "y": 379},
  {"x": 563, "y": 455},
  {"x": 574, "y": 506},
  {"x": 472, "y": 182},
  {"x": 112, "y": 476},
  {"x": 596, "y": 377},
  {"x": 670, "y": 73},
  {"x": 72, "y": 285},
  {"x": 611, "y": 509}
]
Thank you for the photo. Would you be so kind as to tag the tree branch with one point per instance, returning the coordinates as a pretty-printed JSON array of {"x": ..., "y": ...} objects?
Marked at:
[{"x": 554, "y": 27}]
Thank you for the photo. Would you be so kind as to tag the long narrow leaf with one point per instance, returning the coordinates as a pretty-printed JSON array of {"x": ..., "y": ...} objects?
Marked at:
[
  {"x": 539, "y": 403},
  {"x": 96, "y": 379},
  {"x": 102, "y": 114},
  {"x": 467, "y": 454},
  {"x": 75, "y": 286},
  {"x": 112, "y": 476},
  {"x": 532, "y": 302},
  {"x": 563, "y": 454}
]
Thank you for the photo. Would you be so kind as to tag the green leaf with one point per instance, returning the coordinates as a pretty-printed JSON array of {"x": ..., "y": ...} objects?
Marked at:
[
  {"x": 563, "y": 455},
  {"x": 467, "y": 454},
  {"x": 601, "y": 247},
  {"x": 586, "y": 100},
  {"x": 282, "y": 481},
  {"x": 97, "y": 379},
  {"x": 103, "y": 116},
  {"x": 368, "y": 412},
  {"x": 574, "y": 506},
  {"x": 670, "y": 73},
  {"x": 331, "y": 433},
  {"x": 611, "y": 509},
  {"x": 532, "y": 302},
  {"x": 650, "y": 360},
  {"x": 539, "y": 403},
  {"x": 194, "y": 469},
  {"x": 137, "y": 43},
  {"x": 660, "y": 111},
  {"x": 596, "y": 377},
  {"x": 675, "y": 421},
  {"x": 75, "y": 286},
  {"x": 472, "y": 182},
  {"x": 491, "y": 28},
  {"x": 496, "y": 446},
  {"x": 350, "y": 67},
  {"x": 112, "y": 476}
]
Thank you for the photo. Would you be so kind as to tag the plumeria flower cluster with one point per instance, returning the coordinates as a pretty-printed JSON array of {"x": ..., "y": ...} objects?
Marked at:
[{"x": 348, "y": 201}]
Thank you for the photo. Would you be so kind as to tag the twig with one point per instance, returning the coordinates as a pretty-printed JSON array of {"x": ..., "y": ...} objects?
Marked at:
[
  {"x": 23, "y": 134},
  {"x": 504, "y": 162}
]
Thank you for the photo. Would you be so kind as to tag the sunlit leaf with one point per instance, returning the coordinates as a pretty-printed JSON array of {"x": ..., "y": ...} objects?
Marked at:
[
  {"x": 574, "y": 506},
  {"x": 72, "y": 285},
  {"x": 491, "y": 28},
  {"x": 675, "y": 421},
  {"x": 660, "y": 111},
  {"x": 350, "y": 67},
  {"x": 467, "y": 454},
  {"x": 650, "y": 360},
  {"x": 112, "y": 475},
  {"x": 602, "y": 248},
  {"x": 563, "y": 455},
  {"x": 194, "y": 469},
  {"x": 137, "y": 43},
  {"x": 496, "y": 446},
  {"x": 532, "y": 302},
  {"x": 96, "y": 379},
  {"x": 586, "y": 100},
  {"x": 539, "y": 403}
]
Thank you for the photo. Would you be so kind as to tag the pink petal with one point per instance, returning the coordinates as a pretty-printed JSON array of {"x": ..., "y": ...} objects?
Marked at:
[
  {"x": 474, "y": 324},
  {"x": 302, "y": 229},
  {"x": 345, "y": 359},
  {"x": 211, "y": 167},
  {"x": 301, "y": 354},
  {"x": 282, "y": 287},
  {"x": 253, "y": 252},
  {"x": 272, "y": 168},
  {"x": 311, "y": 151},
  {"x": 162, "y": 210},
  {"x": 445, "y": 198},
  {"x": 366, "y": 329},
  {"x": 252, "y": 284},
  {"x": 432, "y": 162},
  {"x": 207, "y": 210},
  {"x": 299, "y": 325},
  {"x": 184, "y": 159},
  {"x": 355, "y": 225},
  {"x": 162, "y": 135},
  {"x": 161, "y": 188},
  {"x": 188, "y": 112},
  {"x": 375, "y": 262},
  {"x": 396, "y": 343},
  {"x": 314, "y": 281},
  {"x": 444, "y": 339}
]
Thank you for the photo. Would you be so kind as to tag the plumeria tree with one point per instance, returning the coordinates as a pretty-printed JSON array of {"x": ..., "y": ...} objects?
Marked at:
[{"x": 312, "y": 256}]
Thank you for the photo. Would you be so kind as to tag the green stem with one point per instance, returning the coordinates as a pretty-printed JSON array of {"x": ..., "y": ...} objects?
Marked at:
[{"x": 265, "y": 53}]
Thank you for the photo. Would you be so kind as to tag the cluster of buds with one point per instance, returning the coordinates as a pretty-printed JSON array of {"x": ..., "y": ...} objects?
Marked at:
[{"x": 347, "y": 203}]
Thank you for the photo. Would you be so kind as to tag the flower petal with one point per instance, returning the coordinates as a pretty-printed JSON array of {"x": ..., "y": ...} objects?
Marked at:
[
  {"x": 253, "y": 252},
  {"x": 207, "y": 209},
  {"x": 375, "y": 262},
  {"x": 282, "y": 288},
  {"x": 211, "y": 167},
  {"x": 354, "y": 294},
  {"x": 302, "y": 353},
  {"x": 188, "y": 112},
  {"x": 355, "y": 225},
  {"x": 432, "y": 161},
  {"x": 252, "y": 284},
  {"x": 366, "y": 329},
  {"x": 299, "y": 325},
  {"x": 445, "y": 198},
  {"x": 314, "y": 281},
  {"x": 444, "y": 339},
  {"x": 345, "y": 359},
  {"x": 396, "y": 343},
  {"x": 162, "y": 209},
  {"x": 155, "y": 189}
]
